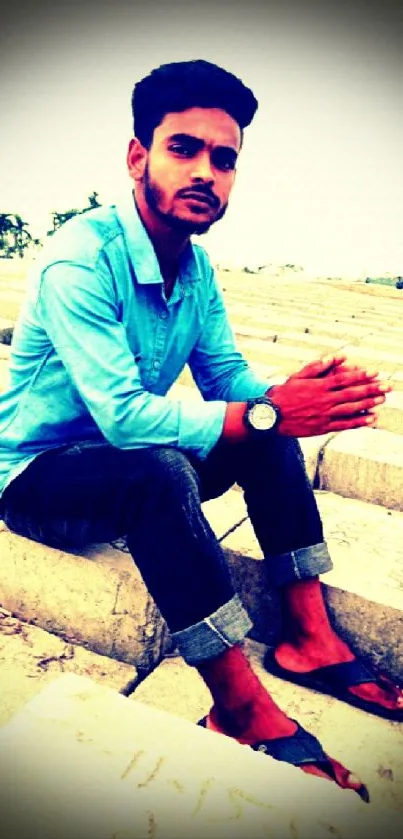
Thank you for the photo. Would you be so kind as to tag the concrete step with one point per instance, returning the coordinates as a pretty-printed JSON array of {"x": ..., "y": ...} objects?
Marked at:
[
  {"x": 371, "y": 357},
  {"x": 129, "y": 770},
  {"x": 391, "y": 413},
  {"x": 318, "y": 341},
  {"x": 310, "y": 303},
  {"x": 5, "y": 352},
  {"x": 273, "y": 317},
  {"x": 365, "y": 463},
  {"x": 368, "y": 745},
  {"x": 97, "y": 598},
  {"x": 30, "y": 659},
  {"x": 285, "y": 356}
]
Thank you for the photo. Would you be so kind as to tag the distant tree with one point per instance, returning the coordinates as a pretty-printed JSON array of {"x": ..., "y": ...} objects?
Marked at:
[
  {"x": 247, "y": 270},
  {"x": 60, "y": 218},
  {"x": 15, "y": 237},
  {"x": 93, "y": 201},
  {"x": 292, "y": 267}
]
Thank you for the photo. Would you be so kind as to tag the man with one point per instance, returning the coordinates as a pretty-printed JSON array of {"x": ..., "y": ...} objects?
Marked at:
[{"x": 91, "y": 449}]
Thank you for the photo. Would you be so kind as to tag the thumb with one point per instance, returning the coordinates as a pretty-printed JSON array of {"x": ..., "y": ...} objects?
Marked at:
[{"x": 321, "y": 367}]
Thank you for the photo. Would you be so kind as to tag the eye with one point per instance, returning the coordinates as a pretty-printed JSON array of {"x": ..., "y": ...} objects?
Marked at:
[
  {"x": 226, "y": 161},
  {"x": 181, "y": 149}
]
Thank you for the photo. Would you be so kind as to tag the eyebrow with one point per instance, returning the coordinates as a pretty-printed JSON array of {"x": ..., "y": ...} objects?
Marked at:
[{"x": 198, "y": 143}]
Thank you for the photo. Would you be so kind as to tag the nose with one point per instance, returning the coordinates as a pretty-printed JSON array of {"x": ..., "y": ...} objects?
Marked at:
[{"x": 202, "y": 169}]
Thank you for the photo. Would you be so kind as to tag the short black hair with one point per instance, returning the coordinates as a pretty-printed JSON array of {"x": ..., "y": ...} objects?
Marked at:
[{"x": 175, "y": 87}]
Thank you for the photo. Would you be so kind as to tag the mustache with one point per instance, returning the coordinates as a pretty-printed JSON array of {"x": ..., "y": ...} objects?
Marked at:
[{"x": 203, "y": 191}]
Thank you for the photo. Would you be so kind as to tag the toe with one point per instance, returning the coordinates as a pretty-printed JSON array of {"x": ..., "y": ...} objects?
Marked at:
[{"x": 335, "y": 771}]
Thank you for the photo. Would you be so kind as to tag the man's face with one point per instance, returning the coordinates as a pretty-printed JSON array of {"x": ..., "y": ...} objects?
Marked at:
[{"x": 189, "y": 169}]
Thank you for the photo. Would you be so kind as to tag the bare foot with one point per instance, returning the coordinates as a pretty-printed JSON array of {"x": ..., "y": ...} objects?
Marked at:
[
  {"x": 331, "y": 770},
  {"x": 306, "y": 656}
]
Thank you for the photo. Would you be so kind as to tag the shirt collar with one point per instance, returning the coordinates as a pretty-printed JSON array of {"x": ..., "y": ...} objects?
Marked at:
[{"x": 141, "y": 251}]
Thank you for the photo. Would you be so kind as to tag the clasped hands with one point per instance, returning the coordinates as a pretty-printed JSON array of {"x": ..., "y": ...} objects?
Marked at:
[{"x": 328, "y": 395}]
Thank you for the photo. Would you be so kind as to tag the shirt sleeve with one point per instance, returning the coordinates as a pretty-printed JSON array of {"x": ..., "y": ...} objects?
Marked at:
[
  {"x": 218, "y": 368},
  {"x": 78, "y": 310}
]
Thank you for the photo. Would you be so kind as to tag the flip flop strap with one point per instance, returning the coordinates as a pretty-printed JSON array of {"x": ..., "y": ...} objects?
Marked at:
[
  {"x": 298, "y": 749},
  {"x": 346, "y": 674}
]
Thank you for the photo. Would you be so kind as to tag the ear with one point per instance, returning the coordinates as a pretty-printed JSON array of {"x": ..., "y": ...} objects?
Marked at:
[{"x": 136, "y": 159}]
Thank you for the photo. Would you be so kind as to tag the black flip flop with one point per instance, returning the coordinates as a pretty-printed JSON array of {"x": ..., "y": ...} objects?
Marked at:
[
  {"x": 335, "y": 680},
  {"x": 299, "y": 749}
]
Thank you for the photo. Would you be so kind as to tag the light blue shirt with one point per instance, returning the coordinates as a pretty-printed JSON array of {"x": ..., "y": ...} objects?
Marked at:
[{"x": 97, "y": 346}]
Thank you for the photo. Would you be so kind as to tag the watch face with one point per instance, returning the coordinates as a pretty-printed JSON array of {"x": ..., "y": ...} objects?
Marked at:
[{"x": 262, "y": 416}]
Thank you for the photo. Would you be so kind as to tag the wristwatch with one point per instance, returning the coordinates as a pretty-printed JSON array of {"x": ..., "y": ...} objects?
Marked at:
[{"x": 261, "y": 416}]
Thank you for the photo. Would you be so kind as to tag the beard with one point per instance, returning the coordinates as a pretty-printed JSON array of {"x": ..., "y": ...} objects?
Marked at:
[{"x": 154, "y": 196}]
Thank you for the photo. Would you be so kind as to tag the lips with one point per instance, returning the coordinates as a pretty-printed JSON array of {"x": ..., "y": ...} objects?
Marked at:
[{"x": 200, "y": 197}]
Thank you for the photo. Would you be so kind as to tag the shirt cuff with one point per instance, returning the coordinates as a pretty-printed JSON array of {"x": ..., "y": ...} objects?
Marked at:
[{"x": 201, "y": 425}]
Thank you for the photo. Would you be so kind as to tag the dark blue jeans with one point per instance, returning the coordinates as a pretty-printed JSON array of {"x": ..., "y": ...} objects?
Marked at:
[{"x": 91, "y": 492}]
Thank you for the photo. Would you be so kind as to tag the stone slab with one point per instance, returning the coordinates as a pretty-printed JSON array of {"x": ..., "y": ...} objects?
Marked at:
[
  {"x": 81, "y": 760},
  {"x": 365, "y": 463},
  {"x": 5, "y": 352},
  {"x": 78, "y": 596},
  {"x": 390, "y": 414},
  {"x": 282, "y": 355},
  {"x": 96, "y": 597},
  {"x": 31, "y": 658},
  {"x": 314, "y": 323},
  {"x": 372, "y": 357},
  {"x": 396, "y": 379},
  {"x": 369, "y": 746},
  {"x": 312, "y": 450}
]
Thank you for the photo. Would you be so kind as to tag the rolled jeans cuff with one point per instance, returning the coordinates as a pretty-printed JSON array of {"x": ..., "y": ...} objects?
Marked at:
[
  {"x": 215, "y": 633},
  {"x": 300, "y": 564}
]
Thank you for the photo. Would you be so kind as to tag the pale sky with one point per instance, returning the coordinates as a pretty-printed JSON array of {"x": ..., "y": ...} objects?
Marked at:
[{"x": 320, "y": 178}]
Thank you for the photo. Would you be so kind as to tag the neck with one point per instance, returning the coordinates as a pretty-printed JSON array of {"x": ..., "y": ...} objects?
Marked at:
[{"x": 168, "y": 244}]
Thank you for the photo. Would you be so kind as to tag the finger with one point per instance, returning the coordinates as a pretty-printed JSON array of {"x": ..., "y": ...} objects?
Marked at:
[
  {"x": 355, "y": 377},
  {"x": 359, "y": 421},
  {"x": 355, "y": 369},
  {"x": 348, "y": 408},
  {"x": 321, "y": 367}
]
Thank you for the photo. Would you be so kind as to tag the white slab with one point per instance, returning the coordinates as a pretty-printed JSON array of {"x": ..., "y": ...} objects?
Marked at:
[{"x": 81, "y": 761}]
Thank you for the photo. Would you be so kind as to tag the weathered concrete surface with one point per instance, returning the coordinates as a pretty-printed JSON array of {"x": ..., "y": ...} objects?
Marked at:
[
  {"x": 373, "y": 357},
  {"x": 390, "y": 416},
  {"x": 82, "y": 761},
  {"x": 368, "y": 745},
  {"x": 397, "y": 379},
  {"x": 5, "y": 351},
  {"x": 365, "y": 463},
  {"x": 97, "y": 597},
  {"x": 312, "y": 449},
  {"x": 80, "y": 598},
  {"x": 31, "y": 658}
]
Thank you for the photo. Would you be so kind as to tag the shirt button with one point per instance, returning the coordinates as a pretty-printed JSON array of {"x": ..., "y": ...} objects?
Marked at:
[{"x": 157, "y": 365}]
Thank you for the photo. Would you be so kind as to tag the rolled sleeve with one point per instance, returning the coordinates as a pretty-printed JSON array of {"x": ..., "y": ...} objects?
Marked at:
[{"x": 219, "y": 369}]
